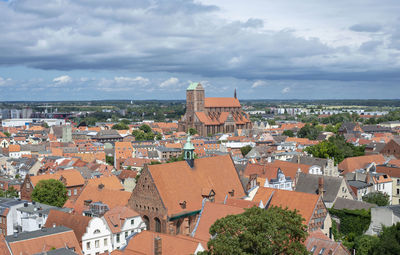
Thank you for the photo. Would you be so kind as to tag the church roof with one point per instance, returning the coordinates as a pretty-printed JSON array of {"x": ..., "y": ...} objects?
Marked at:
[
  {"x": 220, "y": 118},
  {"x": 221, "y": 102},
  {"x": 177, "y": 182},
  {"x": 194, "y": 85}
]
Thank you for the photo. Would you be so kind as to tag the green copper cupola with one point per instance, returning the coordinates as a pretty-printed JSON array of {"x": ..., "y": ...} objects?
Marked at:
[{"x": 188, "y": 152}]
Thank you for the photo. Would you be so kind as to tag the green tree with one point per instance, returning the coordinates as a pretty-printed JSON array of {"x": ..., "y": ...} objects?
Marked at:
[
  {"x": 192, "y": 131},
  {"x": 245, "y": 149},
  {"x": 11, "y": 192},
  {"x": 336, "y": 147},
  {"x": 389, "y": 241},
  {"x": 120, "y": 126},
  {"x": 7, "y": 134},
  {"x": 50, "y": 192},
  {"x": 259, "y": 231},
  {"x": 365, "y": 244},
  {"x": 145, "y": 128},
  {"x": 309, "y": 131},
  {"x": 110, "y": 160},
  {"x": 378, "y": 198},
  {"x": 45, "y": 125},
  {"x": 288, "y": 133}
]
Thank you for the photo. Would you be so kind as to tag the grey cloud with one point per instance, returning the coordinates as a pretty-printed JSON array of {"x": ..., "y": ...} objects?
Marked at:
[
  {"x": 366, "y": 28},
  {"x": 176, "y": 36}
]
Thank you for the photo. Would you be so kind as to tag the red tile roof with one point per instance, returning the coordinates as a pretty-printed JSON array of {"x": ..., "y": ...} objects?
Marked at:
[
  {"x": 143, "y": 243},
  {"x": 178, "y": 182},
  {"x": 116, "y": 217},
  {"x": 78, "y": 223},
  {"x": 73, "y": 177},
  {"x": 351, "y": 164},
  {"x": 221, "y": 102},
  {"x": 305, "y": 203},
  {"x": 211, "y": 213}
]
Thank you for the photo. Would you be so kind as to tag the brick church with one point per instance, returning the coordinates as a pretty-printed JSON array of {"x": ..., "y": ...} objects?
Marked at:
[{"x": 212, "y": 115}]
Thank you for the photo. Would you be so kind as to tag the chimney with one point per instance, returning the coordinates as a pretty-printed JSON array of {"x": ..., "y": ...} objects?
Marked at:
[
  {"x": 101, "y": 186},
  {"x": 321, "y": 186},
  {"x": 157, "y": 246}
]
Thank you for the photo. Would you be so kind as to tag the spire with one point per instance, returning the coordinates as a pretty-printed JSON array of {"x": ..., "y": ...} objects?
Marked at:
[
  {"x": 188, "y": 151},
  {"x": 234, "y": 94}
]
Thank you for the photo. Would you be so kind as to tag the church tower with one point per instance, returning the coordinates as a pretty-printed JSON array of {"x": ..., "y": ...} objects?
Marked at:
[{"x": 194, "y": 101}]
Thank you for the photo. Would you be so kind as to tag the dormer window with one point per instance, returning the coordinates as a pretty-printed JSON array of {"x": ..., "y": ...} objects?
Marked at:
[
  {"x": 182, "y": 204},
  {"x": 232, "y": 192}
]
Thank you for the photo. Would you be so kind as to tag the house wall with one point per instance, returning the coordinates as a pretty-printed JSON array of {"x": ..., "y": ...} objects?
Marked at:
[
  {"x": 98, "y": 235},
  {"x": 395, "y": 191},
  {"x": 146, "y": 200},
  {"x": 391, "y": 148},
  {"x": 386, "y": 187},
  {"x": 381, "y": 216}
]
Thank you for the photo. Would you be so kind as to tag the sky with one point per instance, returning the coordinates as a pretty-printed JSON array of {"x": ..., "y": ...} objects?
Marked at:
[{"x": 153, "y": 49}]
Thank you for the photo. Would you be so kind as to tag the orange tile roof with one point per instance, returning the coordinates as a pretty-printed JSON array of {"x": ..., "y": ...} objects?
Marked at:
[
  {"x": 302, "y": 141},
  {"x": 305, "y": 203},
  {"x": 319, "y": 240},
  {"x": 382, "y": 179},
  {"x": 391, "y": 171},
  {"x": 116, "y": 217},
  {"x": 143, "y": 243},
  {"x": 351, "y": 164},
  {"x": 211, "y": 213},
  {"x": 3, "y": 246},
  {"x": 189, "y": 184},
  {"x": 73, "y": 177},
  {"x": 14, "y": 148},
  {"x": 221, "y": 102},
  {"x": 110, "y": 182},
  {"x": 78, "y": 223},
  {"x": 395, "y": 162},
  {"x": 46, "y": 243},
  {"x": 110, "y": 197}
]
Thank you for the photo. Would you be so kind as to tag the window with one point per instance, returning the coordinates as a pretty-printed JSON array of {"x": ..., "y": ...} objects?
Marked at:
[
  {"x": 126, "y": 234},
  {"x": 40, "y": 225},
  {"x": 398, "y": 181},
  {"x": 117, "y": 238},
  {"x": 313, "y": 248},
  {"x": 88, "y": 246},
  {"x": 97, "y": 243},
  {"x": 69, "y": 192},
  {"x": 132, "y": 222},
  {"x": 398, "y": 191},
  {"x": 321, "y": 251},
  {"x": 105, "y": 241},
  {"x": 96, "y": 231},
  {"x": 75, "y": 191}
]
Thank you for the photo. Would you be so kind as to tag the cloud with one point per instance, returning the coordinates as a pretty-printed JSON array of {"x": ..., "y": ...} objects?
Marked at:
[
  {"x": 132, "y": 80},
  {"x": 62, "y": 79},
  {"x": 5, "y": 82},
  {"x": 258, "y": 84},
  {"x": 372, "y": 28},
  {"x": 122, "y": 83},
  {"x": 285, "y": 90},
  {"x": 195, "y": 40},
  {"x": 171, "y": 82}
]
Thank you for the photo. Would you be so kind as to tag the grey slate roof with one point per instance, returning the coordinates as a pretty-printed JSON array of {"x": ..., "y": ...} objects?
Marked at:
[
  {"x": 343, "y": 203},
  {"x": 395, "y": 209},
  {"x": 311, "y": 161},
  {"x": 38, "y": 233},
  {"x": 308, "y": 183},
  {"x": 40, "y": 208},
  {"x": 61, "y": 251}
]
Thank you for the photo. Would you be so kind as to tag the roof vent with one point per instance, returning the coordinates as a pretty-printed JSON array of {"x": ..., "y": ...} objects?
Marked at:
[{"x": 101, "y": 186}]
